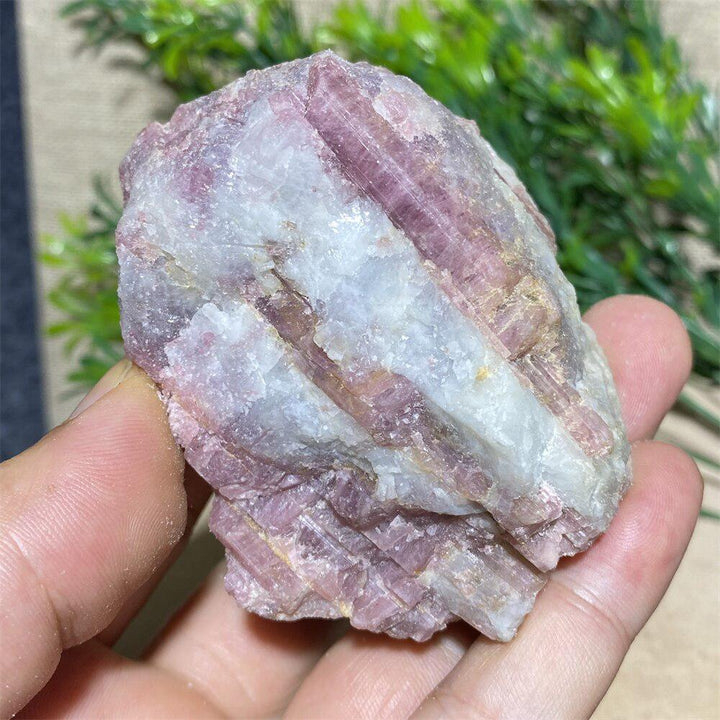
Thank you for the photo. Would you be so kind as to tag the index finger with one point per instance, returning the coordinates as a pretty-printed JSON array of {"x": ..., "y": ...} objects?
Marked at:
[{"x": 650, "y": 356}]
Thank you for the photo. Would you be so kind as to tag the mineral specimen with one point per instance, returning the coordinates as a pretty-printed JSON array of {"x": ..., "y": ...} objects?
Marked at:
[{"x": 354, "y": 313}]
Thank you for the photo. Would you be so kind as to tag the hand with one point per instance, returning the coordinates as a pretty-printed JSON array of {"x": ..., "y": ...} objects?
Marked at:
[{"x": 91, "y": 514}]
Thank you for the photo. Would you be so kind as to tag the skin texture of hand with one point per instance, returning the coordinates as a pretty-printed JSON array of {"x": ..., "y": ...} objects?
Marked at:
[{"x": 93, "y": 514}]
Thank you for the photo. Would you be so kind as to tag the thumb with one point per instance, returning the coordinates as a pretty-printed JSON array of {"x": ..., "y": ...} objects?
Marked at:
[{"x": 86, "y": 515}]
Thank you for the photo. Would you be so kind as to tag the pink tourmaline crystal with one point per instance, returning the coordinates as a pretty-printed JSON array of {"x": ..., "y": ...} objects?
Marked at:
[{"x": 366, "y": 346}]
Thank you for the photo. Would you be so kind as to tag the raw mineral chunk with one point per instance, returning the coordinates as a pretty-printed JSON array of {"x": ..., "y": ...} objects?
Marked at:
[{"x": 354, "y": 313}]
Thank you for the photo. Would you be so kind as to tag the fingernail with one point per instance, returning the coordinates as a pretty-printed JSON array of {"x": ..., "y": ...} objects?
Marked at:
[{"x": 111, "y": 379}]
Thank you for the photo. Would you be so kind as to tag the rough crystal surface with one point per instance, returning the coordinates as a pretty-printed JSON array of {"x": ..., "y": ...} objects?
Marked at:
[{"x": 355, "y": 315}]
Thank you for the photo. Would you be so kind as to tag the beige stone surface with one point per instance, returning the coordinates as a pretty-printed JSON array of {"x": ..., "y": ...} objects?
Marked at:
[{"x": 82, "y": 112}]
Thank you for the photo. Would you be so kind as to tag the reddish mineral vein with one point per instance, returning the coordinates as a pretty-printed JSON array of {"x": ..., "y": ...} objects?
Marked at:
[
  {"x": 395, "y": 413},
  {"x": 329, "y": 516},
  {"x": 519, "y": 310}
]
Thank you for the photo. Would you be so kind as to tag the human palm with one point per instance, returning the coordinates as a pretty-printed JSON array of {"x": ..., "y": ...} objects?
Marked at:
[{"x": 92, "y": 515}]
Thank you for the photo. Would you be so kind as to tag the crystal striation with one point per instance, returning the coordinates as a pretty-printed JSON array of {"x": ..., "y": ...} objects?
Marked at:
[{"x": 354, "y": 313}]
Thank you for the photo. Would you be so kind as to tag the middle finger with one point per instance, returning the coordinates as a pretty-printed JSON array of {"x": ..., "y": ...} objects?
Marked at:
[{"x": 246, "y": 665}]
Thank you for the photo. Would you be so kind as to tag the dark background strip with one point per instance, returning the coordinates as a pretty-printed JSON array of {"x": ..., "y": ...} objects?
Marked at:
[{"x": 21, "y": 411}]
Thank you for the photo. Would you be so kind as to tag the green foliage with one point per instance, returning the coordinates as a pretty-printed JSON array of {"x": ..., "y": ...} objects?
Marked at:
[
  {"x": 86, "y": 294},
  {"x": 587, "y": 100},
  {"x": 196, "y": 46}
]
